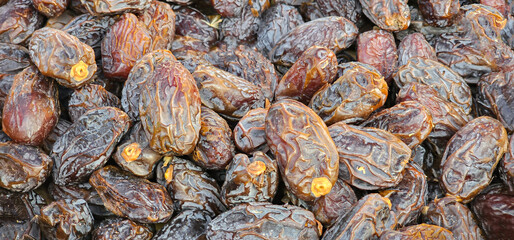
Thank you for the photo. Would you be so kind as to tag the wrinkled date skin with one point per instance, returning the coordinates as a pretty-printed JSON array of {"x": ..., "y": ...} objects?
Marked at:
[
  {"x": 445, "y": 81},
  {"x": 125, "y": 42},
  {"x": 409, "y": 196},
  {"x": 160, "y": 21},
  {"x": 414, "y": 45},
  {"x": 192, "y": 23},
  {"x": 410, "y": 121},
  {"x": 131, "y": 197},
  {"x": 335, "y": 204},
  {"x": 496, "y": 95},
  {"x": 88, "y": 98},
  {"x": 112, "y": 7},
  {"x": 304, "y": 150},
  {"x": 119, "y": 228},
  {"x": 390, "y": 15},
  {"x": 88, "y": 144},
  {"x": 421, "y": 231},
  {"x": 350, "y": 9},
  {"x": 507, "y": 166},
  {"x": 495, "y": 213},
  {"x": 334, "y": 33},
  {"x": 13, "y": 58},
  {"x": 141, "y": 72},
  {"x": 226, "y": 93},
  {"x": 369, "y": 158},
  {"x": 52, "y": 8},
  {"x": 60, "y": 128},
  {"x": 17, "y": 215},
  {"x": 18, "y": 20},
  {"x": 359, "y": 91},
  {"x": 471, "y": 157},
  {"x": 66, "y": 219},
  {"x": 249, "y": 133},
  {"x": 240, "y": 30},
  {"x": 367, "y": 219},
  {"x": 264, "y": 221},
  {"x": 215, "y": 147},
  {"x": 23, "y": 168},
  {"x": 169, "y": 108},
  {"x": 447, "y": 212},
  {"x": 250, "y": 179},
  {"x": 248, "y": 64},
  {"x": 81, "y": 191},
  {"x": 190, "y": 186},
  {"x": 377, "y": 48},
  {"x": 316, "y": 67},
  {"x": 439, "y": 13},
  {"x": 31, "y": 109},
  {"x": 62, "y": 56},
  {"x": 190, "y": 224}
]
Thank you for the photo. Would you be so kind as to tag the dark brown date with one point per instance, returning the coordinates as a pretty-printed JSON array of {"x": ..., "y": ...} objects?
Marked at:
[
  {"x": 471, "y": 157},
  {"x": 17, "y": 215},
  {"x": 81, "y": 191},
  {"x": 421, "y": 232},
  {"x": 369, "y": 158},
  {"x": 215, "y": 147},
  {"x": 159, "y": 18},
  {"x": 447, "y": 212},
  {"x": 377, "y": 48},
  {"x": 414, "y": 45},
  {"x": 446, "y": 82},
  {"x": 410, "y": 121},
  {"x": 249, "y": 133},
  {"x": 507, "y": 166},
  {"x": 390, "y": 15},
  {"x": 316, "y": 67},
  {"x": 336, "y": 203},
  {"x": 66, "y": 219},
  {"x": 305, "y": 153},
  {"x": 264, "y": 221},
  {"x": 18, "y": 20},
  {"x": 13, "y": 58},
  {"x": 334, "y": 33},
  {"x": 52, "y": 8},
  {"x": 495, "y": 214},
  {"x": 60, "y": 128},
  {"x": 496, "y": 95},
  {"x": 190, "y": 186},
  {"x": 169, "y": 107},
  {"x": 125, "y": 42},
  {"x": 193, "y": 23},
  {"x": 88, "y": 144},
  {"x": 112, "y": 7},
  {"x": 359, "y": 91},
  {"x": 119, "y": 228},
  {"x": 190, "y": 224},
  {"x": 240, "y": 30},
  {"x": 31, "y": 109},
  {"x": 250, "y": 179},
  {"x": 230, "y": 8},
  {"x": 439, "y": 13},
  {"x": 62, "y": 56},
  {"x": 226, "y": 93},
  {"x": 23, "y": 168},
  {"x": 367, "y": 219},
  {"x": 350, "y": 9},
  {"x": 131, "y": 197},
  {"x": 88, "y": 98}
]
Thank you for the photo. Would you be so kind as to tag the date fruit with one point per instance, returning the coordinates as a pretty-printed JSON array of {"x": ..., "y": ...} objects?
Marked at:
[
  {"x": 66, "y": 219},
  {"x": 377, "y": 48},
  {"x": 88, "y": 98},
  {"x": 249, "y": 133}
]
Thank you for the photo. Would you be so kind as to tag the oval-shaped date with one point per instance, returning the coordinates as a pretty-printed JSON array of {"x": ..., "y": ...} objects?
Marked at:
[
  {"x": 390, "y": 15},
  {"x": 66, "y": 219},
  {"x": 249, "y": 133},
  {"x": 378, "y": 49},
  {"x": 414, "y": 45},
  {"x": 336, "y": 203},
  {"x": 88, "y": 98}
]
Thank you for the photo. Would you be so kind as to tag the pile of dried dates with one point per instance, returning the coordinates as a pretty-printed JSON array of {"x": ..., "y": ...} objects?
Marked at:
[{"x": 256, "y": 119}]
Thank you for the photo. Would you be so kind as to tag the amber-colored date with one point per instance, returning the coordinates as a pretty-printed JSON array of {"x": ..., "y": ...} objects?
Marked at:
[{"x": 159, "y": 18}]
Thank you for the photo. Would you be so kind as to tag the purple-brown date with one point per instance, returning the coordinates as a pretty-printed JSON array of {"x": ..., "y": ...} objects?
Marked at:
[
  {"x": 31, "y": 109},
  {"x": 507, "y": 166},
  {"x": 80, "y": 191},
  {"x": 119, "y": 228},
  {"x": 439, "y": 13},
  {"x": 377, "y": 48},
  {"x": 112, "y": 7},
  {"x": 159, "y": 18},
  {"x": 420, "y": 231},
  {"x": 66, "y": 219},
  {"x": 226, "y": 93},
  {"x": 495, "y": 214},
  {"x": 336, "y": 203},
  {"x": 316, "y": 67},
  {"x": 305, "y": 152},
  {"x": 390, "y": 15},
  {"x": 215, "y": 147},
  {"x": 450, "y": 85},
  {"x": 131, "y": 197},
  {"x": 62, "y": 56},
  {"x": 240, "y": 30},
  {"x": 367, "y": 219},
  {"x": 125, "y": 42},
  {"x": 190, "y": 224},
  {"x": 359, "y": 91},
  {"x": 18, "y": 20},
  {"x": 229, "y": 8},
  {"x": 169, "y": 107},
  {"x": 350, "y": 9},
  {"x": 410, "y": 121},
  {"x": 190, "y": 186},
  {"x": 250, "y": 179},
  {"x": 17, "y": 215},
  {"x": 264, "y": 221},
  {"x": 249, "y": 133},
  {"x": 471, "y": 156},
  {"x": 22, "y": 167},
  {"x": 334, "y": 33},
  {"x": 88, "y": 144},
  {"x": 13, "y": 58},
  {"x": 193, "y": 23},
  {"x": 369, "y": 158},
  {"x": 51, "y": 8},
  {"x": 89, "y": 97},
  {"x": 496, "y": 95},
  {"x": 448, "y": 213},
  {"x": 414, "y": 45}
]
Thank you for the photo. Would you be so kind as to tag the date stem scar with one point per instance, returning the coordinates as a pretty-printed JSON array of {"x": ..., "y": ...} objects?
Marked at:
[
  {"x": 361, "y": 169},
  {"x": 256, "y": 168},
  {"x": 320, "y": 186},
  {"x": 131, "y": 152},
  {"x": 79, "y": 71}
]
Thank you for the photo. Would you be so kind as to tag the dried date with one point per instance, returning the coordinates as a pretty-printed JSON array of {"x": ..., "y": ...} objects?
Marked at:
[
  {"x": 112, "y": 7},
  {"x": 52, "y": 8},
  {"x": 119, "y": 228},
  {"x": 439, "y": 13},
  {"x": 249, "y": 133},
  {"x": 13, "y": 58},
  {"x": 240, "y": 30},
  {"x": 88, "y": 98},
  {"x": 377, "y": 48},
  {"x": 159, "y": 18},
  {"x": 421, "y": 231},
  {"x": 336, "y": 203},
  {"x": 193, "y": 23},
  {"x": 190, "y": 224},
  {"x": 66, "y": 219},
  {"x": 414, "y": 45},
  {"x": 496, "y": 96},
  {"x": 18, "y": 20},
  {"x": 495, "y": 214},
  {"x": 507, "y": 166},
  {"x": 81, "y": 191},
  {"x": 390, "y": 15}
]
